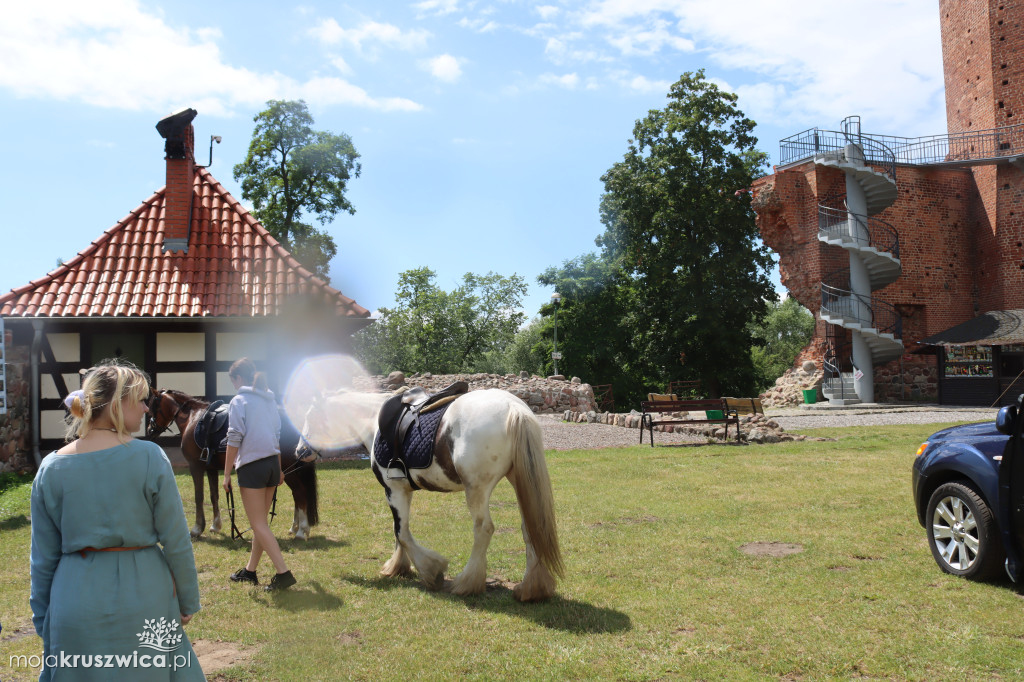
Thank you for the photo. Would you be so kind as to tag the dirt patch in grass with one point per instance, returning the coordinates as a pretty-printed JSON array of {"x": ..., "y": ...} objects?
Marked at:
[
  {"x": 771, "y": 549},
  {"x": 215, "y": 655}
]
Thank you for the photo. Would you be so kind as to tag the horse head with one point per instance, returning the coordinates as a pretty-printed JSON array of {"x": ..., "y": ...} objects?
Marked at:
[
  {"x": 339, "y": 420},
  {"x": 163, "y": 411}
]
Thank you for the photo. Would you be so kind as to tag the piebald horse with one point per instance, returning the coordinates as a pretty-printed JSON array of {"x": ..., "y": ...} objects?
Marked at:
[
  {"x": 168, "y": 407},
  {"x": 484, "y": 436}
]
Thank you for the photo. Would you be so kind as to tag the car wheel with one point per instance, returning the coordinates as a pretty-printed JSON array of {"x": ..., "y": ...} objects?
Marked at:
[{"x": 963, "y": 533}]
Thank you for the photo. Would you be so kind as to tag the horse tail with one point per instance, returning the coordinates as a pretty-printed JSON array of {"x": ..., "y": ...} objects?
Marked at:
[
  {"x": 307, "y": 474},
  {"x": 533, "y": 486}
]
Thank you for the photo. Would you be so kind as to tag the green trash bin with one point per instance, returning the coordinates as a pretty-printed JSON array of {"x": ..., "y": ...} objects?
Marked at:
[{"x": 810, "y": 396}]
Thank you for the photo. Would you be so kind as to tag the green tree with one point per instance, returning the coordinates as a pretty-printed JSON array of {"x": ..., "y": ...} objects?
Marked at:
[
  {"x": 432, "y": 330},
  {"x": 292, "y": 170},
  {"x": 596, "y": 326},
  {"x": 782, "y": 334},
  {"x": 678, "y": 228}
]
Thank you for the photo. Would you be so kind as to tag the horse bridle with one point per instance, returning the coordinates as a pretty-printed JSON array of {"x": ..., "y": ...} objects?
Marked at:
[{"x": 151, "y": 428}]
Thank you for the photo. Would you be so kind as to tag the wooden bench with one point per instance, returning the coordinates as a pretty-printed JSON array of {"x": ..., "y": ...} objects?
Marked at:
[
  {"x": 744, "y": 405},
  {"x": 652, "y": 408}
]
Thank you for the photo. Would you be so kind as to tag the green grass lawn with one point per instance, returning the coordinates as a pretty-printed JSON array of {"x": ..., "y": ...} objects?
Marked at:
[{"x": 656, "y": 586}]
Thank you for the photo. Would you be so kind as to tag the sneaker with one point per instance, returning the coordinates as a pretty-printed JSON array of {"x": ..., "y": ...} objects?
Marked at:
[
  {"x": 243, "y": 575},
  {"x": 281, "y": 581}
]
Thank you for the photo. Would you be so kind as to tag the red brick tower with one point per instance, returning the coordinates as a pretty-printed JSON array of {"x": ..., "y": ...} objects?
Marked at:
[
  {"x": 958, "y": 214},
  {"x": 983, "y": 61}
]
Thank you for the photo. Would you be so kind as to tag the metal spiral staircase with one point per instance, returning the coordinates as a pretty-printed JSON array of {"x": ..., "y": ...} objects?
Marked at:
[{"x": 874, "y": 327}]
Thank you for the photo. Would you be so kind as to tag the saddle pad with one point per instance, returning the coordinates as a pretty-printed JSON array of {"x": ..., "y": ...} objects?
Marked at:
[
  {"x": 418, "y": 447},
  {"x": 212, "y": 429}
]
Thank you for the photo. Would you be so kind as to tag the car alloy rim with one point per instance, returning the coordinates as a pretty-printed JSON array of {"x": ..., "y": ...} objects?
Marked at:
[{"x": 955, "y": 531}]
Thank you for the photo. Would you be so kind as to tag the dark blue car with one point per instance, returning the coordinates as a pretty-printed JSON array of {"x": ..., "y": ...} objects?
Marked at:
[{"x": 967, "y": 484}]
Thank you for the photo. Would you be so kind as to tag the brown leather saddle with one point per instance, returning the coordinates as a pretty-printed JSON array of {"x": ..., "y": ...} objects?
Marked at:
[{"x": 401, "y": 412}]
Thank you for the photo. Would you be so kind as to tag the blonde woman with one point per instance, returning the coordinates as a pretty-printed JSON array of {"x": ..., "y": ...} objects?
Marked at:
[
  {"x": 113, "y": 574},
  {"x": 254, "y": 449}
]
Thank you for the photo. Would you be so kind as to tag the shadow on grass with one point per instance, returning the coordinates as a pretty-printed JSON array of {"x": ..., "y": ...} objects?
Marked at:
[
  {"x": 557, "y": 613},
  {"x": 15, "y": 522},
  {"x": 316, "y": 542},
  {"x": 304, "y": 596}
]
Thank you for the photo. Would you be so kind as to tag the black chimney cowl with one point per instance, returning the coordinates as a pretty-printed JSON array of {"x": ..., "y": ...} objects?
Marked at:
[{"x": 172, "y": 128}]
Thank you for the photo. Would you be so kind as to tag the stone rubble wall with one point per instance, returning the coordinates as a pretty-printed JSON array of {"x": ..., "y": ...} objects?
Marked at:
[
  {"x": 549, "y": 395},
  {"x": 754, "y": 428},
  {"x": 788, "y": 390}
]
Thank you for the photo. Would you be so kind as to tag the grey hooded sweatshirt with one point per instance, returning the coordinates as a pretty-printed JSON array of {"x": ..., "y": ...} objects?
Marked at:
[{"x": 254, "y": 425}]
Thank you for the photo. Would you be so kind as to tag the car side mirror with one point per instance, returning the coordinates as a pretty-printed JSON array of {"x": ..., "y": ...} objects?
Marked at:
[{"x": 1005, "y": 419}]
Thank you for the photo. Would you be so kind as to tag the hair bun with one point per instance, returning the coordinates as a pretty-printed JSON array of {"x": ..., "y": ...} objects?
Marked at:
[{"x": 74, "y": 402}]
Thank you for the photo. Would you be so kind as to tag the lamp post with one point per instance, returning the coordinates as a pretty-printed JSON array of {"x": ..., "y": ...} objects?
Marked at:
[{"x": 556, "y": 298}]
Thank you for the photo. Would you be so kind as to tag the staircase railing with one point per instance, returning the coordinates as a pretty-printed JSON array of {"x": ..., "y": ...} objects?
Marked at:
[
  {"x": 836, "y": 357},
  {"x": 816, "y": 141},
  {"x": 871, "y": 312},
  {"x": 874, "y": 232}
]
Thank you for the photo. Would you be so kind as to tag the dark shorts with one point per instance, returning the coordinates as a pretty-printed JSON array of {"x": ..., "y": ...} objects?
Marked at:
[{"x": 263, "y": 473}]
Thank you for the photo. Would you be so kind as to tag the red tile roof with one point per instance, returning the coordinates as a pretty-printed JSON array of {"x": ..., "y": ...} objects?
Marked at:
[{"x": 233, "y": 268}]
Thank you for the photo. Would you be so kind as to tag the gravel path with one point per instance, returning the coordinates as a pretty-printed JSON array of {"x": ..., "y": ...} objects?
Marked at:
[{"x": 559, "y": 435}]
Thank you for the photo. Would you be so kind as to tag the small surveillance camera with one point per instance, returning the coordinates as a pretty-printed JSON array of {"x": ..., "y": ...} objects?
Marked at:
[{"x": 215, "y": 138}]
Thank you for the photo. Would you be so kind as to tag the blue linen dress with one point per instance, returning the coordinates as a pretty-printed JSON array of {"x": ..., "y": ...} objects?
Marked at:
[{"x": 118, "y": 607}]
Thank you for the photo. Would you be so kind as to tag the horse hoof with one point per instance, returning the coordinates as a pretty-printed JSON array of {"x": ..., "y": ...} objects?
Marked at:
[
  {"x": 195, "y": 532},
  {"x": 215, "y": 527}
]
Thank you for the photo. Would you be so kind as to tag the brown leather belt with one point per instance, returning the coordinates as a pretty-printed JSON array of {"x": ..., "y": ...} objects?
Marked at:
[{"x": 110, "y": 549}]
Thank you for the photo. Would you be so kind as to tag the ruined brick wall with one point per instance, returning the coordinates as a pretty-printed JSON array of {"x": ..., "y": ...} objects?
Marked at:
[{"x": 15, "y": 426}]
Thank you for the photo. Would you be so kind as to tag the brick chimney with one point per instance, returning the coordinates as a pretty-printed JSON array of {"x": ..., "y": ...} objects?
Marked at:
[{"x": 179, "y": 148}]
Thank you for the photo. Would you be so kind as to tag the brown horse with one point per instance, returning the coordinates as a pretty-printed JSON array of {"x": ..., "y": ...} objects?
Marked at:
[{"x": 168, "y": 407}]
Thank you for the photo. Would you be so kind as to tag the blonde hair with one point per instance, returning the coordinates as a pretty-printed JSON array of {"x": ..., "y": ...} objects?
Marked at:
[{"x": 105, "y": 386}]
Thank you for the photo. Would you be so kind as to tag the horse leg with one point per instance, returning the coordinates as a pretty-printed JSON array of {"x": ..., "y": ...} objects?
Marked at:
[
  {"x": 473, "y": 578},
  {"x": 214, "y": 480},
  {"x": 429, "y": 564},
  {"x": 196, "y": 469},
  {"x": 300, "y": 523},
  {"x": 538, "y": 584}
]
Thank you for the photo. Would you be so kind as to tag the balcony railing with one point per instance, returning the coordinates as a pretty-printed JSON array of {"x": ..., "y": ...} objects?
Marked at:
[{"x": 956, "y": 149}]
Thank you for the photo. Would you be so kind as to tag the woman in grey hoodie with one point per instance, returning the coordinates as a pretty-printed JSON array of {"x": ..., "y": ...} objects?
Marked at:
[{"x": 254, "y": 433}]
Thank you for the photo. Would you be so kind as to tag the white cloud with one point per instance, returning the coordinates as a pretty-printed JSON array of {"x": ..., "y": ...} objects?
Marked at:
[
  {"x": 341, "y": 65},
  {"x": 478, "y": 25},
  {"x": 114, "y": 54},
  {"x": 437, "y": 6},
  {"x": 337, "y": 91},
  {"x": 639, "y": 84},
  {"x": 568, "y": 81},
  {"x": 811, "y": 66},
  {"x": 547, "y": 12},
  {"x": 368, "y": 35},
  {"x": 443, "y": 67}
]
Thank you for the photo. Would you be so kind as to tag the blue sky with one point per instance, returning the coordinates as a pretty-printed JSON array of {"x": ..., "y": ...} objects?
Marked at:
[{"x": 484, "y": 126}]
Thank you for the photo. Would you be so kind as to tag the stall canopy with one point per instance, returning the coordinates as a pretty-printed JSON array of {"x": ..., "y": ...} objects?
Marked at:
[{"x": 994, "y": 328}]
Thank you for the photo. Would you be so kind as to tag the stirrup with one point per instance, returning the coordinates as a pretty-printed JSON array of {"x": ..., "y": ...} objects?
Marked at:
[
  {"x": 204, "y": 455},
  {"x": 401, "y": 464}
]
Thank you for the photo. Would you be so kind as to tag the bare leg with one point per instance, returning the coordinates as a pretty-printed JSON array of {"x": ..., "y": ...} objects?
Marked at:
[
  {"x": 257, "y": 505},
  {"x": 196, "y": 469},
  {"x": 213, "y": 476}
]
